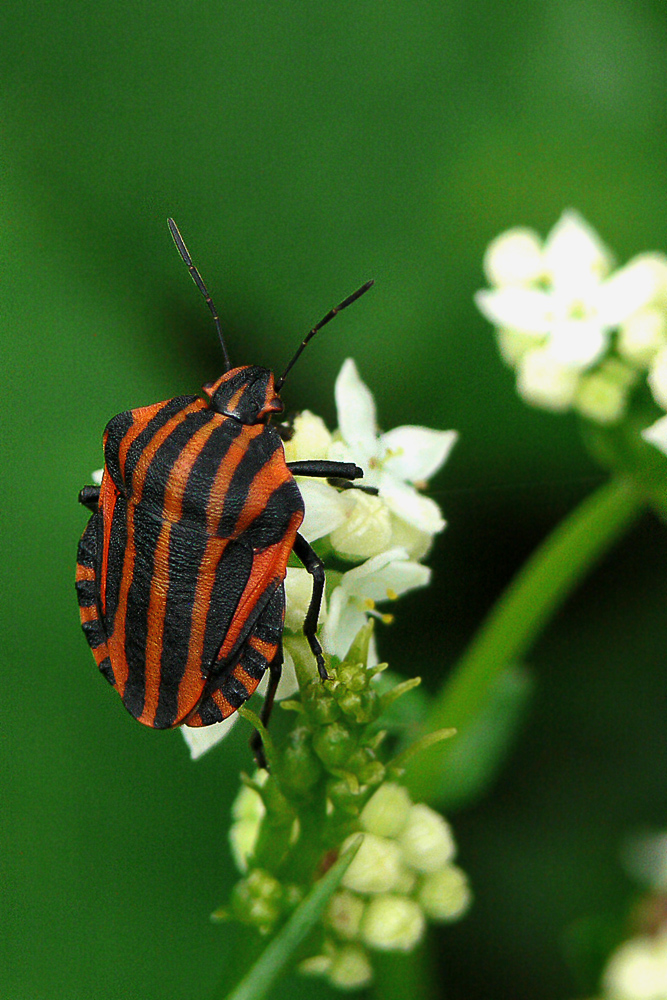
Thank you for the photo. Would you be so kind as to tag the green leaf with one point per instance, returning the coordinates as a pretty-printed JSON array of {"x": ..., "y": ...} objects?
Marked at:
[{"x": 277, "y": 955}]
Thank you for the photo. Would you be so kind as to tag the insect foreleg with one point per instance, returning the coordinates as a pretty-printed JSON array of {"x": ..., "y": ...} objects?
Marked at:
[
  {"x": 315, "y": 567},
  {"x": 326, "y": 470}
]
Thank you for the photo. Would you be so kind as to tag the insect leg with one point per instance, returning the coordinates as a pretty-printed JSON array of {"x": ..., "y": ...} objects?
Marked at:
[
  {"x": 337, "y": 474},
  {"x": 89, "y": 496},
  {"x": 315, "y": 567},
  {"x": 87, "y": 595},
  {"x": 275, "y": 673}
]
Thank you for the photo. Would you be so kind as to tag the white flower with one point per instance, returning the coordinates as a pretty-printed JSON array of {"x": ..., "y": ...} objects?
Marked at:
[
  {"x": 426, "y": 842},
  {"x": 657, "y": 378},
  {"x": 392, "y": 923},
  {"x": 657, "y": 434},
  {"x": 638, "y": 970},
  {"x": 387, "y": 811},
  {"x": 445, "y": 894},
  {"x": 394, "y": 463},
  {"x": 376, "y": 867},
  {"x": 563, "y": 295},
  {"x": 382, "y": 578}
]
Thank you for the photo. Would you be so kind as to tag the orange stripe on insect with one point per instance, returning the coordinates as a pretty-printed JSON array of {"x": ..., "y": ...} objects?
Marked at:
[
  {"x": 117, "y": 640},
  {"x": 171, "y": 511}
]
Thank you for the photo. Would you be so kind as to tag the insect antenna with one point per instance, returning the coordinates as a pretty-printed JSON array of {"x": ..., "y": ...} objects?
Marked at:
[
  {"x": 197, "y": 278},
  {"x": 323, "y": 322}
]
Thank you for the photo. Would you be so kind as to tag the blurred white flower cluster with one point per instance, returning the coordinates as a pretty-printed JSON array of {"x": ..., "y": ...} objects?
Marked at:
[
  {"x": 386, "y": 534},
  {"x": 579, "y": 334},
  {"x": 402, "y": 876},
  {"x": 637, "y": 970}
]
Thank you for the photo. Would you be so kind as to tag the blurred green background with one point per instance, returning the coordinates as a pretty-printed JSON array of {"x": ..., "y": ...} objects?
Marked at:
[{"x": 302, "y": 148}]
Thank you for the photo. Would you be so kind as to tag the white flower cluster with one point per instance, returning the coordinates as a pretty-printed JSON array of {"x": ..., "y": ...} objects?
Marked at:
[
  {"x": 402, "y": 876},
  {"x": 579, "y": 334},
  {"x": 637, "y": 970},
  {"x": 386, "y": 534}
]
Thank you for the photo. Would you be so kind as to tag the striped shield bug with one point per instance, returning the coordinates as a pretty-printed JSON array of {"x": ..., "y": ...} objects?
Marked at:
[{"x": 181, "y": 568}]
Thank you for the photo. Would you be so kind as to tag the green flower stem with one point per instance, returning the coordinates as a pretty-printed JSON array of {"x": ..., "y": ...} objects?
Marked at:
[{"x": 519, "y": 616}]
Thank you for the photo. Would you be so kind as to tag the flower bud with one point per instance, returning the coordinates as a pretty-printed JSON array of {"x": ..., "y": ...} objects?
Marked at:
[
  {"x": 366, "y": 530},
  {"x": 445, "y": 895},
  {"x": 392, "y": 923},
  {"x": 657, "y": 378},
  {"x": 543, "y": 381},
  {"x": 364, "y": 764},
  {"x": 350, "y": 968},
  {"x": 300, "y": 769},
  {"x": 344, "y": 914},
  {"x": 642, "y": 335},
  {"x": 247, "y": 812},
  {"x": 352, "y": 676},
  {"x": 346, "y": 797},
  {"x": 426, "y": 840},
  {"x": 310, "y": 439},
  {"x": 333, "y": 744},
  {"x": 601, "y": 398},
  {"x": 298, "y": 593},
  {"x": 386, "y": 812},
  {"x": 324, "y": 709},
  {"x": 376, "y": 867},
  {"x": 257, "y": 900}
]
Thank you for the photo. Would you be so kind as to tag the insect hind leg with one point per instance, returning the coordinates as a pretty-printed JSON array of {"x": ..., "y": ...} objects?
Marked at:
[
  {"x": 86, "y": 592},
  {"x": 315, "y": 567}
]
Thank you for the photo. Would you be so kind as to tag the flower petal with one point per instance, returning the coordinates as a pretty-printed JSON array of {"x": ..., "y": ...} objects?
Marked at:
[
  {"x": 640, "y": 283},
  {"x": 657, "y": 434},
  {"x": 574, "y": 253},
  {"x": 310, "y": 439},
  {"x": 543, "y": 381},
  {"x": 577, "y": 342},
  {"x": 201, "y": 739},
  {"x": 514, "y": 258},
  {"x": 416, "y": 453},
  {"x": 325, "y": 509},
  {"x": 342, "y": 626},
  {"x": 404, "y": 501},
  {"x": 526, "y": 310},
  {"x": 356, "y": 411}
]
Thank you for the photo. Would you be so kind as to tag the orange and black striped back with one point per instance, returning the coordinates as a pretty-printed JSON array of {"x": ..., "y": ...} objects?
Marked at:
[{"x": 181, "y": 567}]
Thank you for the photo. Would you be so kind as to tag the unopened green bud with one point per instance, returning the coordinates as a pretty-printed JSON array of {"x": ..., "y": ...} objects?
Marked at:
[
  {"x": 350, "y": 968},
  {"x": 361, "y": 706},
  {"x": 392, "y": 923},
  {"x": 445, "y": 894},
  {"x": 301, "y": 769},
  {"x": 344, "y": 914},
  {"x": 364, "y": 764},
  {"x": 257, "y": 900},
  {"x": 324, "y": 710},
  {"x": 346, "y": 796},
  {"x": 333, "y": 744},
  {"x": 353, "y": 676},
  {"x": 386, "y": 812},
  {"x": 426, "y": 840},
  {"x": 377, "y": 866}
]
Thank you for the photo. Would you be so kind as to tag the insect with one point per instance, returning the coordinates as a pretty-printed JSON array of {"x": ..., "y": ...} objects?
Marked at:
[{"x": 181, "y": 568}]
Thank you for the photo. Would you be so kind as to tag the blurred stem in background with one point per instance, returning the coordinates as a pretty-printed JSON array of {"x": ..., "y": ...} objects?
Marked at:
[{"x": 516, "y": 621}]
